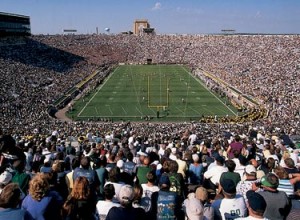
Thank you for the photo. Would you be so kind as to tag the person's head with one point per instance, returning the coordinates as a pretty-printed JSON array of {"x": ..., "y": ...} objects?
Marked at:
[
  {"x": 270, "y": 181},
  {"x": 129, "y": 156},
  {"x": 256, "y": 203},
  {"x": 151, "y": 177},
  {"x": 38, "y": 186},
  {"x": 85, "y": 162},
  {"x": 228, "y": 188},
  {"x": 126, "y": 195},
  {"x": 10, "y": 196},
  {"x": 19, "y": 165},
  {"x": 230, "y": 164},
  {"x": 114, "y": 174},
  {"x": 220, "y": 160},
  {"x": 109, "y": 191},
  {"x": 281, "y": 172},
  {"x": 81, "y": 188},
  {"x": 75, "y": 163},
  {"x": 173, "y": 168},
  {"x": 289, "y": 162},
  {"x": 271, "y": 163},
  {"x": 137, "y": 192},
  {"x": 202, "y": 194},
  {"x": 164, "y": 182},
  {"x": 195, "y": 158},
  {"x": 250, "y": 171}
]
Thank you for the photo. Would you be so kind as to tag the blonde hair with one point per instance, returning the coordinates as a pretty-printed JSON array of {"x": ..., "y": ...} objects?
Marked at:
[{"x": 38, "y": 186}]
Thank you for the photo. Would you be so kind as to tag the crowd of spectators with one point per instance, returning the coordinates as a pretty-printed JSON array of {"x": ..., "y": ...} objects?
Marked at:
[{"x": 80, "y": 165}]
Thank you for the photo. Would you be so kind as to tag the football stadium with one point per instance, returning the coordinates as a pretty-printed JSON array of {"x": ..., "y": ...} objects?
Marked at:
[
  {"x": 142, "y": 125},
  {"x": 148, "y": 92}
]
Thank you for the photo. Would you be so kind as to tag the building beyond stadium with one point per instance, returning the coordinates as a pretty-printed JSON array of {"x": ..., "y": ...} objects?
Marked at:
[{"x": 14, "y": 25}]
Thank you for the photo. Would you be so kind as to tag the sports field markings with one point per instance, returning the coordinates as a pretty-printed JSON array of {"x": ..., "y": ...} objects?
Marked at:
[
  {"x": 209, "y": 91},
  {"x": 124, "y": 110},
  {"x": 139, "y": 111},
  {"x": 180, "y": 110},
  {"x": 136, "y": 93},
  {"x": 96, "y": 92},
  {"x": 110, "y": 110},
  {"x": 195, "y": 111}
]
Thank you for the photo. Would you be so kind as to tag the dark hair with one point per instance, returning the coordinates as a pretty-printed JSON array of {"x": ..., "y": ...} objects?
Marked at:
[
  {"x": 114, "y": 174},
  {"x": 85, "y": 162},
  {"x": 129, "y": 156},
  {"x": 173, "y": 167},
  {"x": 230, "y": 164},
  {"x": 109, "y": 191},
  {"x": 151, "y": 177}
]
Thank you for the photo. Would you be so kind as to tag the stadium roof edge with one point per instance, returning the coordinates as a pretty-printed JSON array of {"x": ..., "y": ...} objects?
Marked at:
[{"x": 16, "y": 15}]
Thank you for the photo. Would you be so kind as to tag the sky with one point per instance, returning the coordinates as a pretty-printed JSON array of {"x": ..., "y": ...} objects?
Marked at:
[{"x": 166, "y": 16}]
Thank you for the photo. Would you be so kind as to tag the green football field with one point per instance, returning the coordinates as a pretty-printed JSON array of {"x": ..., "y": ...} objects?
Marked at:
[{"x": 159, "y": 92}]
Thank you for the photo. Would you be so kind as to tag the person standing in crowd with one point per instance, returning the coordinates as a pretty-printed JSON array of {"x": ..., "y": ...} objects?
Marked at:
[
  {"x": 235, "y": 145},
  {"x": 278, "y": 204},
  {"x": 21, "y": 177},
  {"x": 213, "y": 174},
  {"x": 126, "y": 211},
  {"x": 81, "y": 202},
  {"x": 86, "y": 171},
  {"x": 245, "y": 185},
  {"x": 232, "y": 205},
  {"x": 41, "y": 203},
  {"x": 103, "y": 206},
  {"x": 193, "y": 208},
  {"x": 164, "y": 203},
  {"x": 196, "y": 171},
  {"x": 102, "y": 173},
  {"x": 256, "y": 205},
  {"x": 10, "y": 199},
  {"x": 230, "y": 174}
]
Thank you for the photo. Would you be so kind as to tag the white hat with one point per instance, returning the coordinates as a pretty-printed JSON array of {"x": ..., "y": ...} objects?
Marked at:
[
  {"x": 126, "y": 193},
  {"x": 5, "y": 177},
  {"x": 250, "y": 169}
]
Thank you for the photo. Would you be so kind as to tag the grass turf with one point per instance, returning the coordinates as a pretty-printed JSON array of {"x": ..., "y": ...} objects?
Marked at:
[{"x": 132, "y": 92}]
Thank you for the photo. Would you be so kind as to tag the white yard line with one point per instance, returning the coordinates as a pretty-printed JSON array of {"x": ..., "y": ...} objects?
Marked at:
[
  {"x": 99, "y": 88},
  {"x": 139, "y": 111},
  {"x": 210, "y": 91},
  {"x": 124, "y": 110},
  {"x": 110, "y": 110},
  {"x": 195, "y": 111},
  {"x": 180, "y": 110}
]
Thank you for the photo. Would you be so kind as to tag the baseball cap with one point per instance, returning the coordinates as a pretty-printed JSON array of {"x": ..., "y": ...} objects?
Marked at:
[
  {"x": 228, "y": 186},
  {"x": 126, "y": 193},
  {"x": 256, "y": 201},
  {"x": 270, "y": 180},
  {"x": 250, "y": 169}
]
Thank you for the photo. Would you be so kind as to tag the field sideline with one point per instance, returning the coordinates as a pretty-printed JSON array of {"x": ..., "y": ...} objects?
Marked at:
[{"x": 159, "y": 92}]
